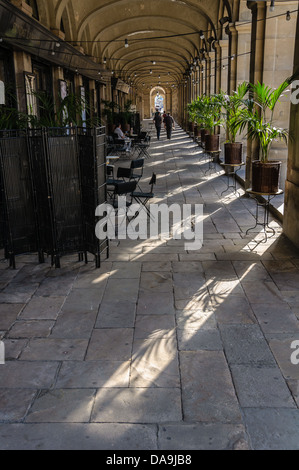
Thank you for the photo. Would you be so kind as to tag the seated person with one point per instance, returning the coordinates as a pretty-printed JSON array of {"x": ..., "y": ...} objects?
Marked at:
[{"x": 121, "y": 136}]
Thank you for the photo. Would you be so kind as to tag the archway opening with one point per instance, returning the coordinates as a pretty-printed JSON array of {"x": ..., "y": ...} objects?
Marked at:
[{"x": 157, "y": 100}]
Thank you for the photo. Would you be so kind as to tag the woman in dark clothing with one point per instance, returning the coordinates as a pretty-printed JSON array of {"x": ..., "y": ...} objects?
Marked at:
[
  {"x": 169, "y": 123},
  {"x": 158, "y": 123}
]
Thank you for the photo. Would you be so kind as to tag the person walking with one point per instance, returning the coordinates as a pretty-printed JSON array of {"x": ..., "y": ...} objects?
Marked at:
[
  {"x": 158, "y": 123},
  {"x": 169, "y": 124}
]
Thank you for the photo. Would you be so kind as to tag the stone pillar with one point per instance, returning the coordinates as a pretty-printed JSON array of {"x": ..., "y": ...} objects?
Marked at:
[
  {"x": 217, "y": 67},
  {"x": 259, "y": 12},
  {"x": 208, "y": 75},
  {"x": 224, "y": 63},
  {"x": 232, "y": 60},
  {"x": 22, "y": 63},
  {"x": 212, "y": 56},
  {"x": 291, "y": 210},
  {"x": 278, "y": 65}
]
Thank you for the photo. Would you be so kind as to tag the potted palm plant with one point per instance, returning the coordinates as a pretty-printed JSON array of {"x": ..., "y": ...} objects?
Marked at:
[
  {"x": 233, "y": 106},
  {"x": 211, "y": 119},
  {"x": 258, "y": 117}
]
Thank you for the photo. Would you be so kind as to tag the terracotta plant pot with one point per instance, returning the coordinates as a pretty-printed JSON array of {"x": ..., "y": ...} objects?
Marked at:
[
  {"x": 265, "y": 176},
  {"x": 203, "y": 134},
  {"x": 196, "y": 131},
  {"x": 212, "y": 143},
  {"x": 233, "y": 153}
]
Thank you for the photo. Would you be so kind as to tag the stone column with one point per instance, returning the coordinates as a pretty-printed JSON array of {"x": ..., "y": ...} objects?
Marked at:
[
  {"x": 217, "y": 65},
  {"x": 259, "y": 12},
  {"x": 212, "y": 56},
  {"x": 223, "y": 43},
  {"x": 278, "y": 65},
  {"x": 22, "y": 63},
  {"x": 232, "y": 60},
  {"x": 291, "y": 211}
]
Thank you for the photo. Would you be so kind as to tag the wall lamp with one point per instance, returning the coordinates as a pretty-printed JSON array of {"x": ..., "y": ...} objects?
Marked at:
[{"x": 225, "y": 19}]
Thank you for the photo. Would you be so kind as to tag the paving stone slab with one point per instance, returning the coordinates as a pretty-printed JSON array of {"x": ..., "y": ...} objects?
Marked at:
[
  {"x": 8, "y": 314},
  {"x": 245, "y": 344},
  {"x": 55, "y": 286},
  {"x": 156, "y": 282},
  {"x": 14, "y": 404},
  {"x": 70, "y": 436},
  {"x": 281, "y": 348},
  {"x": 114, "y": 344},
  {"x": 251, "y": 271},
  {"x": 160, "y": 267},
  {"x": 203, "y": 437},
  {"x": 194, "y": 340},
  {"x": 84, "y": 300},
  {"x": 55, "y": 349},
  {"x": 74, "y": 324},
  {"x": 93, "y": 280},
  {"x": 124, "y": 270},
  {"x": 28, "y": 375},
  {"x": 155, "y": 363},
  {"x": 196, "y": 319},
  {"x": 89, "y": 374},
  {"x": 154, "y": 326},
  {"x": 149, "y": 304},
  {"x": 117, "y": 314},
  {"x": 14, "y": 348},
  {"x": 273, "y": 429},
  {"x": 43, "y": 308},
  {"x": 31, "y": 329},
  {"x": 275, "y": 318},
  {"x": 234, "y": 309},
  {"x": 63, "y": 405},
  {"x": 137, "y": 405},
  {"x": 294, "y": 387},
  {"x": 124, "y": 290},
  {"x": 208, "y": 393},
  {"x": 261, "y": 387}
]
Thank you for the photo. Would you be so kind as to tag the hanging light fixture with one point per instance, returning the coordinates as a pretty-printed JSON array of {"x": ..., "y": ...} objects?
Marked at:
[
  {"x": 126, "y": 43},
  {"x": 288, "y": 16},
  {"x": 272, "y": 6},
  {"x": 225, "y": 19},
  {"x": 201, "y": 34}
]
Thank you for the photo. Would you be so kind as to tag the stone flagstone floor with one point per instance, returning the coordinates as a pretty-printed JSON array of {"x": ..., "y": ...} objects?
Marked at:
[{"x": 161, "y": 348}]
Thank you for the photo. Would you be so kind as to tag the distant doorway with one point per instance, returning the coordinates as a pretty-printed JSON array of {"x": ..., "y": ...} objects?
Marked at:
[{"x": 157, "y": 100}]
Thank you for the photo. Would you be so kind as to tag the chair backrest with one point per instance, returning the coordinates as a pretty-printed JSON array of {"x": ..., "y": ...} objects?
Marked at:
[
  {"x": 138, "y": 163},
  {"x": 125, "y": 188},
  {"x": 153, "y": 181},
  {"x": 124, "y": 172}
]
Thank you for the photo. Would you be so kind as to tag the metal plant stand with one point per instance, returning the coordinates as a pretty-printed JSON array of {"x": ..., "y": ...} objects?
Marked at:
[
  {"x": 235, "y": 167},
  {"x": 212, "y": 162},
  {"x": 264, "y": 221}
]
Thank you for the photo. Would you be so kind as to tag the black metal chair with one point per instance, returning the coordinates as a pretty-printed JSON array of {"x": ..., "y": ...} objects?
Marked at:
[
  {"x": 143, "y": 197},
  {"x": 136, "y": 168},
  {"x": 143, "y": 147}
]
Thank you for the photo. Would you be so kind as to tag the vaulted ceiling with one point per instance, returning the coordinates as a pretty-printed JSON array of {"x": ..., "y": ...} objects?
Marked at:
[{"x": 162, "y": 35}]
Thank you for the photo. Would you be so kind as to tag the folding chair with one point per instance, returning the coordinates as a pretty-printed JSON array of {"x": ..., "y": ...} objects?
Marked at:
[
  {"x": 123, "y": 189},
  {"x": 137, "y": 167},
  {"x": 122, "y": 175},
  {"x": 143, "y": 197},
  {"x": 143, "y": 146}
]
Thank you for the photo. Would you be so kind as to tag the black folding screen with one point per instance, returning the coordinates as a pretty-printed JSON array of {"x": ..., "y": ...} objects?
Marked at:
[
  {"x": 59, "y": 179},
  {"x": 18, "y": 219}
]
